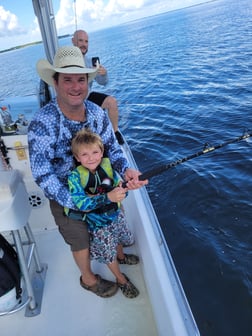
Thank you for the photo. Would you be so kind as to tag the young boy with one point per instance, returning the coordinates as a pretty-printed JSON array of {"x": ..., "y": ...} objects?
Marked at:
[{"x": 96, "y": 191}]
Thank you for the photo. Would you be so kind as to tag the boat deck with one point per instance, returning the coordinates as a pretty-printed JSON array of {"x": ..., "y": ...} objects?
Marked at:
[{"x": 68, "y": 309}]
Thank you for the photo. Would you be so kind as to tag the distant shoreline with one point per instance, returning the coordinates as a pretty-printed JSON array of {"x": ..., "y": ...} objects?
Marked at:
[{"x": 29, "y": 44}]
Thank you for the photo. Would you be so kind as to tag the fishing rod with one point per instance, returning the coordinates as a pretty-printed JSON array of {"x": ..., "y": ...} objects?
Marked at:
[{"x": 207, "y": 149}]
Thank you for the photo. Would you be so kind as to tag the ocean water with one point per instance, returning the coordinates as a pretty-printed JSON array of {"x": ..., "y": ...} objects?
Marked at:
[{"x": 183, "y": 80}]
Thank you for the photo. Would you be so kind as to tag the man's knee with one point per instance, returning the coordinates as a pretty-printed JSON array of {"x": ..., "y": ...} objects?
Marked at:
[{"x": 109, "y": 103}]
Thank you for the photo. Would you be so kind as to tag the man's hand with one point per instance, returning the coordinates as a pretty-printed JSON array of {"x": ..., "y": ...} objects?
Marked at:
[
  {"x": 131, "y": 176},
  {"x": 101, "y": 70}
]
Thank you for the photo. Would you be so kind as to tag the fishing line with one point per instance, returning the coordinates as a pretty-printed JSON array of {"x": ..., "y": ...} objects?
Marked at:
[{"x": 207, "y": 149}]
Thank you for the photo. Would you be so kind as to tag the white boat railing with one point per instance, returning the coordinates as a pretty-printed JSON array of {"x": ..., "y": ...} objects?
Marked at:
[{"x": 170, "y": 306}]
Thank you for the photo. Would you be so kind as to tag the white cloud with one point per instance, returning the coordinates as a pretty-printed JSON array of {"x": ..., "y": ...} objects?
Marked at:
[
  {"x": 91, "y": 15},
  {"x": 97, "y": 14},
  {"x": 9, "y": 23}
]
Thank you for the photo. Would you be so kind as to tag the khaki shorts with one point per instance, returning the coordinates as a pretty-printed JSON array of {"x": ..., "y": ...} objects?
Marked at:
[{"x": 74, "y": 232}]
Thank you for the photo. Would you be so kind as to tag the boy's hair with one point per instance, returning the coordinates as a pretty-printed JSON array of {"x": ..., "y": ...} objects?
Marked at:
[{"x": 85, "y": 137}]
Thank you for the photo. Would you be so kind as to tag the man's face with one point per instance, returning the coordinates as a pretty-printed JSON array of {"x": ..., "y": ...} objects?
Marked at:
[
  {"x": 71, "y": 90},
  {"x": 81, "y": 41}
]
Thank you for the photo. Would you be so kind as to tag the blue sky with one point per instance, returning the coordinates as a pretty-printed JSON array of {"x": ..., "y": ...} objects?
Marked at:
[{"x": 18, "y": 24}]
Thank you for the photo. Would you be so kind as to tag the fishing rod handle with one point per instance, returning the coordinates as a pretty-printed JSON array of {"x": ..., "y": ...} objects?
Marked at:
[{"x": 141, "y": 177}]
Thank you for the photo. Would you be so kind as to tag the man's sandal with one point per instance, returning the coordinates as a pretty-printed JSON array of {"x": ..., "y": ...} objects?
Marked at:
[
  {"x": 103, "y": 288},
  {"x": 128, "y": 289},
  {"x": 129, "y": 259}
]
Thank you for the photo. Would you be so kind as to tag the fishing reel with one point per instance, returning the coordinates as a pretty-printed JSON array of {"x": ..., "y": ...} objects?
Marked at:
[{"x": 105, "y": 187}]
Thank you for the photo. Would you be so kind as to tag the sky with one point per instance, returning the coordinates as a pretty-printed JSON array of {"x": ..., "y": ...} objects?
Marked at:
[{"x": 18, "y": 23}]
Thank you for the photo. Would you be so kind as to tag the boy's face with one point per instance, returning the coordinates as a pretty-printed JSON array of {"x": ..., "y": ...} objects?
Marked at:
[{"x": 90, "y": 156}]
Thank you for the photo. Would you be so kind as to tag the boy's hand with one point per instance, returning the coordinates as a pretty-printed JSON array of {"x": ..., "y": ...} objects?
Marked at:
[{"x": 117, "y": 195}]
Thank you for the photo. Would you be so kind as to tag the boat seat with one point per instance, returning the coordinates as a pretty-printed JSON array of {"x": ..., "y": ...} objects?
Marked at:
[{"x": 15, "y": 210}]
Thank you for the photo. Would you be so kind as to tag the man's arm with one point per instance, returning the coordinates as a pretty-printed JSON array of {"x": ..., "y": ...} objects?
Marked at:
[
  {"x": 102, "y": 74},
  {"x": 46, "y": 164}
]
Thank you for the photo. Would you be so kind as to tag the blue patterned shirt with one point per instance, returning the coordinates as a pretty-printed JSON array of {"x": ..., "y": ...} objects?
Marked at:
[{"x": 49, "y": 139}]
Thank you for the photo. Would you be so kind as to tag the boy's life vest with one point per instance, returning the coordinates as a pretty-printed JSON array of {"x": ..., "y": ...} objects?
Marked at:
[{"x": 101, "y": 182}]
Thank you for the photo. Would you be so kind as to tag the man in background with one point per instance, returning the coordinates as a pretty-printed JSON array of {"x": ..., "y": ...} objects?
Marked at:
[{"x": 109, "y": 103}]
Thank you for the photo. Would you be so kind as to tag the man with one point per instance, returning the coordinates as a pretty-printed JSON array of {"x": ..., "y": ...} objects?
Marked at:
[
  {"x": 49, "y": 138},
  {"x": 80, "y": 39}
]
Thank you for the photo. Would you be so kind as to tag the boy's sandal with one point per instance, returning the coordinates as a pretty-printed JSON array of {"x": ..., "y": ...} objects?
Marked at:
[
  {"x": 128, "y": 289},
  {"x": 129, "y": 259},
  {"x": 103, "y": 288}
]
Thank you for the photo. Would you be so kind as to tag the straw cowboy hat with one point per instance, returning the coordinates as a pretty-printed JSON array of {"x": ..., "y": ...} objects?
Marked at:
[{"x": 67, "y": 60}]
